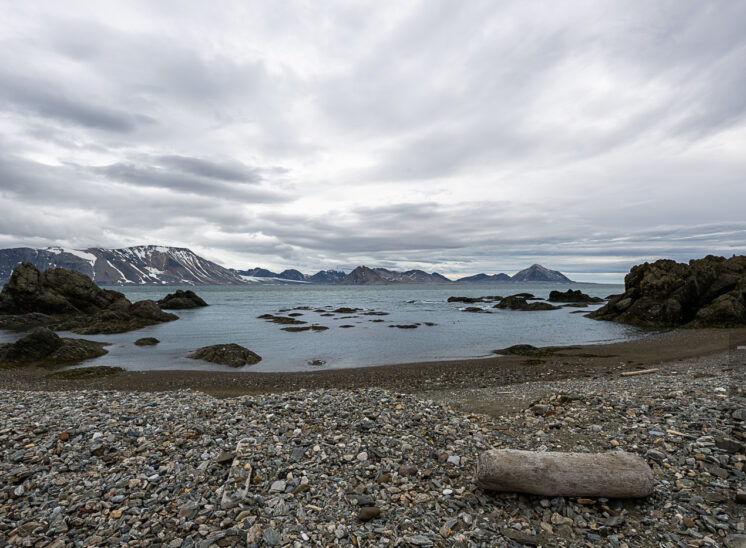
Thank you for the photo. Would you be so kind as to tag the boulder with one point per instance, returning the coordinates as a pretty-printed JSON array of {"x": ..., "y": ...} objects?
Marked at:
[
  {"x": 572, "y": 296},
  {"x": 709, "y": 292},
  {"x": 181, "y": 300},
  {"x": 68, "y": 300},
  {"x": 45, "y": 348},
  {"x": 226, "y": 354},
  {"x": 147, "y": 341}
]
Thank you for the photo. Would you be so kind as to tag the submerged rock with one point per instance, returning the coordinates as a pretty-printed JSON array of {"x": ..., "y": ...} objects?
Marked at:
[
  {"x": 226, "y": 354},
  {"x": 67, "y": 300},
  {"x": 709, "y": 292},
  {"x": 572, "y": 296},
  {"x": 45, "y": 348},
  {"x": 181, "y": 300}
]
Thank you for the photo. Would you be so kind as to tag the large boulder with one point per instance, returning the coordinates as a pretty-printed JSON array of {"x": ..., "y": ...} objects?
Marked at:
[
  {"x": 226, "y": 354},
  {"x": 44, "y": 348},
  {"x": 64, "y": 299},
  {"x": 572, "y": 296},
  {"x": 709, "y": 292},
  {"x": 181, "y": 300}
]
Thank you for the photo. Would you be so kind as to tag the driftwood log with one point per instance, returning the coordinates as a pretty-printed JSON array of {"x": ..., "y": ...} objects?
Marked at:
[
  {"x": 614, "y": 474},
  {"x": 640, "y": 372}
]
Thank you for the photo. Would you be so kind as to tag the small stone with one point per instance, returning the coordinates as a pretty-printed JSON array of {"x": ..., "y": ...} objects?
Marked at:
[
  {"x": 278, "y": 486},
  {"x": 64, "y": 436},
  {"x": 688, "y": 522},
  {"x": 408, "y": 470},
  {"x": 368, "y": 513},
  {"x": 115, "y": 514},
  {"x": 189, "y": 510},
  {"x": 362, "y": 456},
  {"x": 225, "y": 457},
  {"x": 454, "y": 459},
  {"x": 741, "y": 497}
]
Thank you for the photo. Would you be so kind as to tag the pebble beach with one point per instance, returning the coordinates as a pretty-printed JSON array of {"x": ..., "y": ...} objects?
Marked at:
[{"x": 369, "y": 467}]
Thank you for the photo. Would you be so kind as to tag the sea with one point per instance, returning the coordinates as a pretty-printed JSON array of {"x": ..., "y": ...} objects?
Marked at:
[{"x": 232, "y": 317}]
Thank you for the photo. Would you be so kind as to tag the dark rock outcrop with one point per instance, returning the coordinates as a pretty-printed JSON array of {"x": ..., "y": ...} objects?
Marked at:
[
  {"x": 181, "y": 300},
  {"x": 147, "y": 341},
  {"x": 45, "y": 348},
  {"x": 709, "y": 292},
  {"x": 514, "y": 302},
  {"x": 572, "y": 296},
  {"x": 226, "y": 354},
  {"x": 67, "y": 300}
]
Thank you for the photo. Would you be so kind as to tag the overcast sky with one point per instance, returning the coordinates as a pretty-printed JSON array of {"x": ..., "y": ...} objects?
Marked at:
[{"x": 455, "y": 136}]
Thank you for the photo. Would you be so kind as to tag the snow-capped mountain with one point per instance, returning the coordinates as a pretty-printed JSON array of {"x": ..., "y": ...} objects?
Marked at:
[
  {"x": 140, "y": 265},
  {"x": 290, "y": 276}
]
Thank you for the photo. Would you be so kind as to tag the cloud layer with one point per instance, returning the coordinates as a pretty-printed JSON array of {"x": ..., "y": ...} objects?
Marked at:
[{"x": 450, "y": 136}]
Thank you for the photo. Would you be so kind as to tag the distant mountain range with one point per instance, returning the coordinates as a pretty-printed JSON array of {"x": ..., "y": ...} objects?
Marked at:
[
  {"x": 140, "y": 265},
  {"x": 159, "y": 265}
]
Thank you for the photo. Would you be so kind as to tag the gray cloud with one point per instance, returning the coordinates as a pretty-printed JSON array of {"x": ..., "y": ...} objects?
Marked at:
[{"x": 450, "y": 136}]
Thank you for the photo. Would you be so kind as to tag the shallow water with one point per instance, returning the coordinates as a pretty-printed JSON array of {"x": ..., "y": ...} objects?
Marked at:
[{"x": 232, "y": 318}]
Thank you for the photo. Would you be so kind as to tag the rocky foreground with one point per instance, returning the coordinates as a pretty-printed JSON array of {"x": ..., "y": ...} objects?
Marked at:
[{"x": 368, "y": 467}]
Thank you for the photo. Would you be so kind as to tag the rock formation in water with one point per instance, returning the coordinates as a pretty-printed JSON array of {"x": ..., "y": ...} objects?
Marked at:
[
  {"x": 709, "y": 292},
  {"x": 67, "y": 300},
  {"x": 181, "y": 300},
  {"x": 45, "y": 348},
  {"x": 572, "y": 296},
  {"x": 516, "y": 302},
  {"x": 226, "y": 354}
]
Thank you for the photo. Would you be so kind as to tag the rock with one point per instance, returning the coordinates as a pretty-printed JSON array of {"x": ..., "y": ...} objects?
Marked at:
[
  {"x": 572, "y": 296},
  {"x": 741, "y": 497},
  {"x": 181, "y": 300},
  {"x": 709, "y": 292},
  {"x": 368, "y": 513},
  {"x": 278, "y": 486},
  {"x": 226, "y": 354},
  {"x": 526, "y": 350},
  {"x": 225, "y": 457},
  {"x": 64, "y": 436},
  {"x": 45, "y": 348},
  {"x": 147, "y": 341},
  {"x": 730, "y": 446},
  {"x": 189, "y": 510},
  {"x": 67, "y": 300},
  {"x": 408, "y": 470},
  {"x": 515, "y": 302}
]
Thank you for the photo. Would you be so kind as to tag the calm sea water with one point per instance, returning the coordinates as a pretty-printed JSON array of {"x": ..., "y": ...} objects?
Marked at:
[{"x": 232, "y": 318}]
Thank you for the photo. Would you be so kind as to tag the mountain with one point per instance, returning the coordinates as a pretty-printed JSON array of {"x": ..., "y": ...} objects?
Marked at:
[
  {"x": 262, "y": 275},
  {"x": 485, "y": 278},
  {"x": 293, "y": 275},
  {"x": 140, "y": 265},
  {"x": 256, "y": 272},
  {"x": 411, "y": 276},
  {"x": 327, "y": 277},
  {"x": 363, "y": 275},
  {"x": 537, "y": 273}
]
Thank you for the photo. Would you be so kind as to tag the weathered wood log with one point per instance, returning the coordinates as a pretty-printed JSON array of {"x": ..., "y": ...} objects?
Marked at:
[
  {"x": 615, "y": 474},
  {"x": 640, "y": 372}
]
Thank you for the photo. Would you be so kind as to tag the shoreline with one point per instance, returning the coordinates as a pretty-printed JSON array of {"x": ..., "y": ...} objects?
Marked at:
[{"x": 566, "y": 362}]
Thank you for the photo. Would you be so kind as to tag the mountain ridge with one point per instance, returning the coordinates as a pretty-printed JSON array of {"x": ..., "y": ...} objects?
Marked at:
[
  {"x": 162, "y": 265},
  {"x": 137, "y": 265}
]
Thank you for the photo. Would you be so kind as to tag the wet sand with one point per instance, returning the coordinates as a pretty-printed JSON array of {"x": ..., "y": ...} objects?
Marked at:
[{"x": 451, "y": 377}]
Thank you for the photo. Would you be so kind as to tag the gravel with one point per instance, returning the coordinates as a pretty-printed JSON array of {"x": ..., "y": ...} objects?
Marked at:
[{"x": 363, "y": 467}]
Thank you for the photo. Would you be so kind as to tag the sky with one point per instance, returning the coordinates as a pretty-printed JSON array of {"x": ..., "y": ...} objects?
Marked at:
[{"x": 457, "y": 137}]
